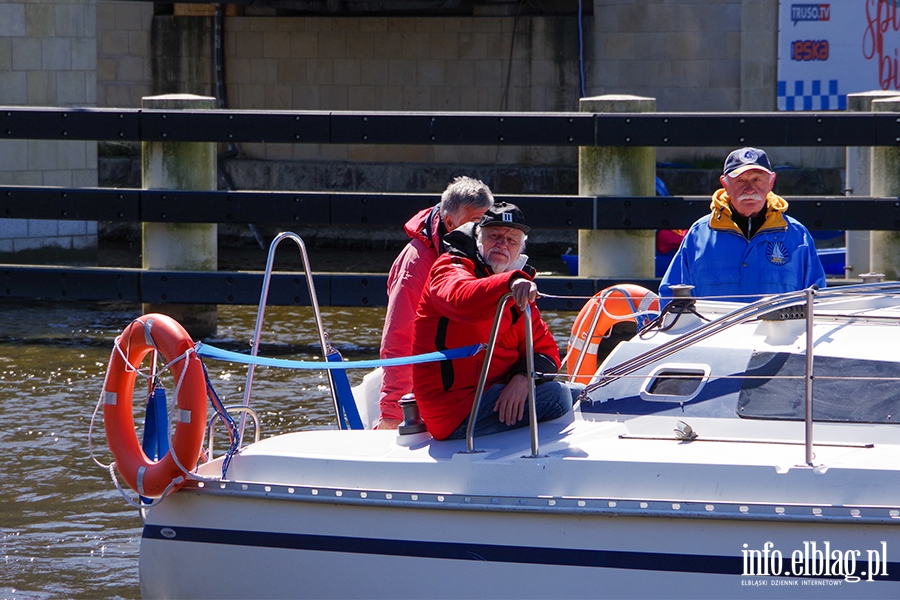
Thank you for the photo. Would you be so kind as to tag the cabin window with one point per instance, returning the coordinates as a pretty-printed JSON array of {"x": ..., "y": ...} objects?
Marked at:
[
  {"x": 675, "y": 382},
  {"x": 844, "y": 389}
]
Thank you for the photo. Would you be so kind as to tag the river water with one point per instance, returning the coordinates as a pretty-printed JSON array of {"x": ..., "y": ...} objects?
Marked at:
[{"x": 65, "y": 531}]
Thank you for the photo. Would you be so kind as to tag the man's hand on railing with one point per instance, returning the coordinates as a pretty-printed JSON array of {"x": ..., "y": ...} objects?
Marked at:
[{"x": 524, "y": 291}]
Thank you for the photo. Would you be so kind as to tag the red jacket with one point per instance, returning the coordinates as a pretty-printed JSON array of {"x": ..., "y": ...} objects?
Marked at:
[
  {"x": 668, "y": 240},
  {"x": 404, "y": 287},
  {"x": 457, "y": 309}
]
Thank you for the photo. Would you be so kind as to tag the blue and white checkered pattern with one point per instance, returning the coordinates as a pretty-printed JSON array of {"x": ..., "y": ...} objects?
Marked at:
[{"x": 810, "y": 95}]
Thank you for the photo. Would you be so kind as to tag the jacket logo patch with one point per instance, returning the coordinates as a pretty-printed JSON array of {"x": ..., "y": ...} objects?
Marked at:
[{"x": 777, "y": 253}]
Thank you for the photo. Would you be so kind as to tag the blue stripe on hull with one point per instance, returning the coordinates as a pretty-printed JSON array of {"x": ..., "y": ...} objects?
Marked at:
[{"x": 573, "y": 557}]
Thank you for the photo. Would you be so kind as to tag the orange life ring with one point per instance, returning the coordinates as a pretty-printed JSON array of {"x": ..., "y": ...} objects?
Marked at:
[
  {"x": 615, "y": 304},
  {"x": 146, "y": 333}
]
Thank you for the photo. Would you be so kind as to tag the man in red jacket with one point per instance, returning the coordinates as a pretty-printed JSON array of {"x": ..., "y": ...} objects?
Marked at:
[
  {"x": 464, "y": 201},
  {"x": 482, "y": 263}
]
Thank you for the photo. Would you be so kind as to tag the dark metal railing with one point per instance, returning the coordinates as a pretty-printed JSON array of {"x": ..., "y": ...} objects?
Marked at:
[
  {"x": 370, "y": 209},
  {"x": 453, "y": 128},
  {"x": 240, "y": 287},
  {"x": 375, "y": 209}
]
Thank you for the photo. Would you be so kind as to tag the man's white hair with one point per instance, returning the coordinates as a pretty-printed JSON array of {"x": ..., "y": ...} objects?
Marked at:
[{"x": 465, "y": 191}]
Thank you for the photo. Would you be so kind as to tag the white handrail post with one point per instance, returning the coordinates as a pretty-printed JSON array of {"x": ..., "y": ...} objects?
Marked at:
[{"x": 810, "y": 293}]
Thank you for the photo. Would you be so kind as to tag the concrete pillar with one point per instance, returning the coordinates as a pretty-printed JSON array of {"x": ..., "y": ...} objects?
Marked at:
[
  {"x": 616, "y": 171},
  {"x": 885, "y": 181},
  {"x": 181, "y": 246},
  {"x": 858, "y": 167}
]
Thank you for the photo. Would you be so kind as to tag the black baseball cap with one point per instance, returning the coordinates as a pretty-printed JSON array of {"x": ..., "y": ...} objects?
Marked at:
[
  {"x": 504, "y": 214},
  {"x": 745, "y": 159}
]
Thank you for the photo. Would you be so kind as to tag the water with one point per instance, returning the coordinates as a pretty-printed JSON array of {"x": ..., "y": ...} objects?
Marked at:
[{"x": 65, "y": 532}]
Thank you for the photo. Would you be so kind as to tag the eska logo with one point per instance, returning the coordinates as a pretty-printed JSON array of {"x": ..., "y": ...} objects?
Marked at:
[{"x": 806, "y": 50}]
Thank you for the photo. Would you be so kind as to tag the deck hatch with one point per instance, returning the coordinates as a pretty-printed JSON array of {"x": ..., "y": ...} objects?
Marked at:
[{"x": 675, "y": 382}]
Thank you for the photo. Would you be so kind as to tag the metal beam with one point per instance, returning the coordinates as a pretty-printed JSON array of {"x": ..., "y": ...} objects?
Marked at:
[
  {"x": 380, "y": 209},
  {"x": 455, "y": 128},
  {"x": 242, "y": 288},
  {"x": 38, "y": 123},
  {"x": 79, "y": 204}
]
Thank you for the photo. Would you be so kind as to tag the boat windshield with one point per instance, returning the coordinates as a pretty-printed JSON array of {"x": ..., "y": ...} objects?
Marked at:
[
  {"x": 761, "y": 371},
  {"x": 845, "y": 389}
]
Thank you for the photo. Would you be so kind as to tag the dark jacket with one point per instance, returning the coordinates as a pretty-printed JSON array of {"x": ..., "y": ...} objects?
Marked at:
[{"x": 457, "y": 309}]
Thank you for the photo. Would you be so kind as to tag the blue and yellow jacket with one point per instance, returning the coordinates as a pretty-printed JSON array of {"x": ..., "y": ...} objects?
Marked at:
[{"x": 718, "y": 260}]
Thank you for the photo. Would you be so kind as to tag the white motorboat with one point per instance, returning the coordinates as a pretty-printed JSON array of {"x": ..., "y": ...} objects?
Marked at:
[{"x": 727, "y": 447}]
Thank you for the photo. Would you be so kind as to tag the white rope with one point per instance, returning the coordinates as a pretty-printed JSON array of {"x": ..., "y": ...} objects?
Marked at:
[
  {"x": 189, "y": 474},
  {"x": 117, "y": 346},
  {"x": 712, "y": 376},
  {"x": 129, "y": 368},
  {"x": 136, "y": 504},
  {"x": 175, "y": 407},
  {"x": 176, "y": 359},
  {"x": 632, "y": 315},
  {"x": 93, "y": 419}
]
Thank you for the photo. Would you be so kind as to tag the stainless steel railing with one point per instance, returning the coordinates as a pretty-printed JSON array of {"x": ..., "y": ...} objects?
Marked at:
[
  {"x": 314, "y": 302},
  {"x": 741, "y": 315},
  {"x": 210, "y": 430},
  {"x": 529, "y": 362},
  {"x": 806, "y": 297}
]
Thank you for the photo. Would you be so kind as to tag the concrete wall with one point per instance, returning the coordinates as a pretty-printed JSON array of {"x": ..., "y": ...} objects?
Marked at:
[
  {"x": 695, "y": 55},
  {"x": 404, "y": 63},
  {"x": 48, "y": 58},
  {"x": 123, "y": 53},
  {"x": 691, "y": 55},
  {"x": 687, "y": 54}
]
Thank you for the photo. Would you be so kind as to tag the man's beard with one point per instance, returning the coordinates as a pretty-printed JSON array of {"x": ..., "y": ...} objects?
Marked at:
[{"x": 497, "y": 264}]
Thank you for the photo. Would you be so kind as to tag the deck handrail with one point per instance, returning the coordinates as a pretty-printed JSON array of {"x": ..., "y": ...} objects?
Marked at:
[
  {"x": 485, "y": 367},
  {"x": 741, "y": 315},
  {"x": 320, "y": 327}
]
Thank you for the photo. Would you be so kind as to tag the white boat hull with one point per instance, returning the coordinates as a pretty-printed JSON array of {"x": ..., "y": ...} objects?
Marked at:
[
  {"x": 204, "y": 546},
  {"x": 618, "y": 503}
]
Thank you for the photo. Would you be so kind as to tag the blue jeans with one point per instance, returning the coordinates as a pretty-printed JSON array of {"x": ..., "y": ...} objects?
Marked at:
[{"x": 552, "y": 399}]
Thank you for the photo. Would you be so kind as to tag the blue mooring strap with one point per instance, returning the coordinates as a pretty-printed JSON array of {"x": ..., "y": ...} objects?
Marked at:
[
  {"x": 233, "y": 441},
  {"x": 344, "y": 395},
  {"x": 212, "y": 352}
]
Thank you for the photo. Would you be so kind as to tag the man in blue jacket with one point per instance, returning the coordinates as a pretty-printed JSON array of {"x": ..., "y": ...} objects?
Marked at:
[{"x": 747, "y": 246}]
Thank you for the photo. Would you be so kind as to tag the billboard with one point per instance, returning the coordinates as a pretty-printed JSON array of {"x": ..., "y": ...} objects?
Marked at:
[{"x": 828, "y": 50}]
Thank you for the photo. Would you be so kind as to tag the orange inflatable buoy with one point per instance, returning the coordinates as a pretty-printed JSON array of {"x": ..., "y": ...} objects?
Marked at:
[
  {"x": 625, "y": 302},
  {"x": 151, "y": 332}
]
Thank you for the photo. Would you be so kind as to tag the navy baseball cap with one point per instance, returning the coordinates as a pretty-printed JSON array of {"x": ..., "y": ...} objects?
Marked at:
[
  {"x": 746, "y": 159},
  {"x": 504, "y": 214}
]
